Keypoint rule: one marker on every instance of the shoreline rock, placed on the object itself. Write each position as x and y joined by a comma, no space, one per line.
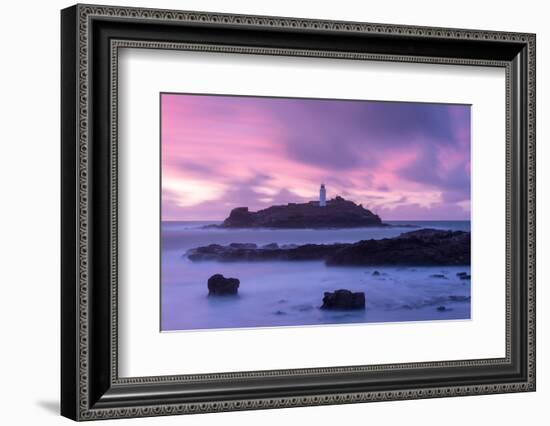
425,247
463,275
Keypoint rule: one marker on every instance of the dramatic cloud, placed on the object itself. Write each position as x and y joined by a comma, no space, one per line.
403,160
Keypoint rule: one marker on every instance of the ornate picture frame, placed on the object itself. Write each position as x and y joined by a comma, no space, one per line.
91,37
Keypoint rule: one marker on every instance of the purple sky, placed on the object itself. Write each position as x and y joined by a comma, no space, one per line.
401,160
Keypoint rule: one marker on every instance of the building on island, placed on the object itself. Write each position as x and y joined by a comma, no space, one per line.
322,196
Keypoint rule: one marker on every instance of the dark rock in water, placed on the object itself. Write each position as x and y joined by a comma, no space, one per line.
376,274
209,252
218,285
425,247
237,252
343,299
303,308
441,308
459,298
338,213
211,226
438,276
280,313
463,275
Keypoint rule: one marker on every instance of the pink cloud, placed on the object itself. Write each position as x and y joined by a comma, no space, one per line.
221,152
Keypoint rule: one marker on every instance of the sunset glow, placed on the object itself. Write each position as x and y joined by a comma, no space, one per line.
408,161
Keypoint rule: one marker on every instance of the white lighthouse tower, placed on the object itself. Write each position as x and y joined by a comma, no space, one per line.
322,196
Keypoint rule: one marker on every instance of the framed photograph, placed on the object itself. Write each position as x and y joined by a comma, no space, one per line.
263,212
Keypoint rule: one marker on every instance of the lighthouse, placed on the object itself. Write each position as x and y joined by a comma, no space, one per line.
322,196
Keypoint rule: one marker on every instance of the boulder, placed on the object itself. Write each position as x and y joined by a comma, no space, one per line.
218,285
343,300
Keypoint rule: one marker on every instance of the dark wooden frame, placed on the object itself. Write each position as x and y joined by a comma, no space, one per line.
91,37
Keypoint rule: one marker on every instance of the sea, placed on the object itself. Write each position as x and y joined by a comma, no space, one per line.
283,293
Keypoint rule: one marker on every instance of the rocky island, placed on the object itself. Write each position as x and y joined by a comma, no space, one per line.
334,213
424,247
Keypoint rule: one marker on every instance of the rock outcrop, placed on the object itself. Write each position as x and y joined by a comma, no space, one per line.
338,213
425,247
231,253
218,285
343,300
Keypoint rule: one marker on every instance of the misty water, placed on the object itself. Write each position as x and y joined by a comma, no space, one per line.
282,293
